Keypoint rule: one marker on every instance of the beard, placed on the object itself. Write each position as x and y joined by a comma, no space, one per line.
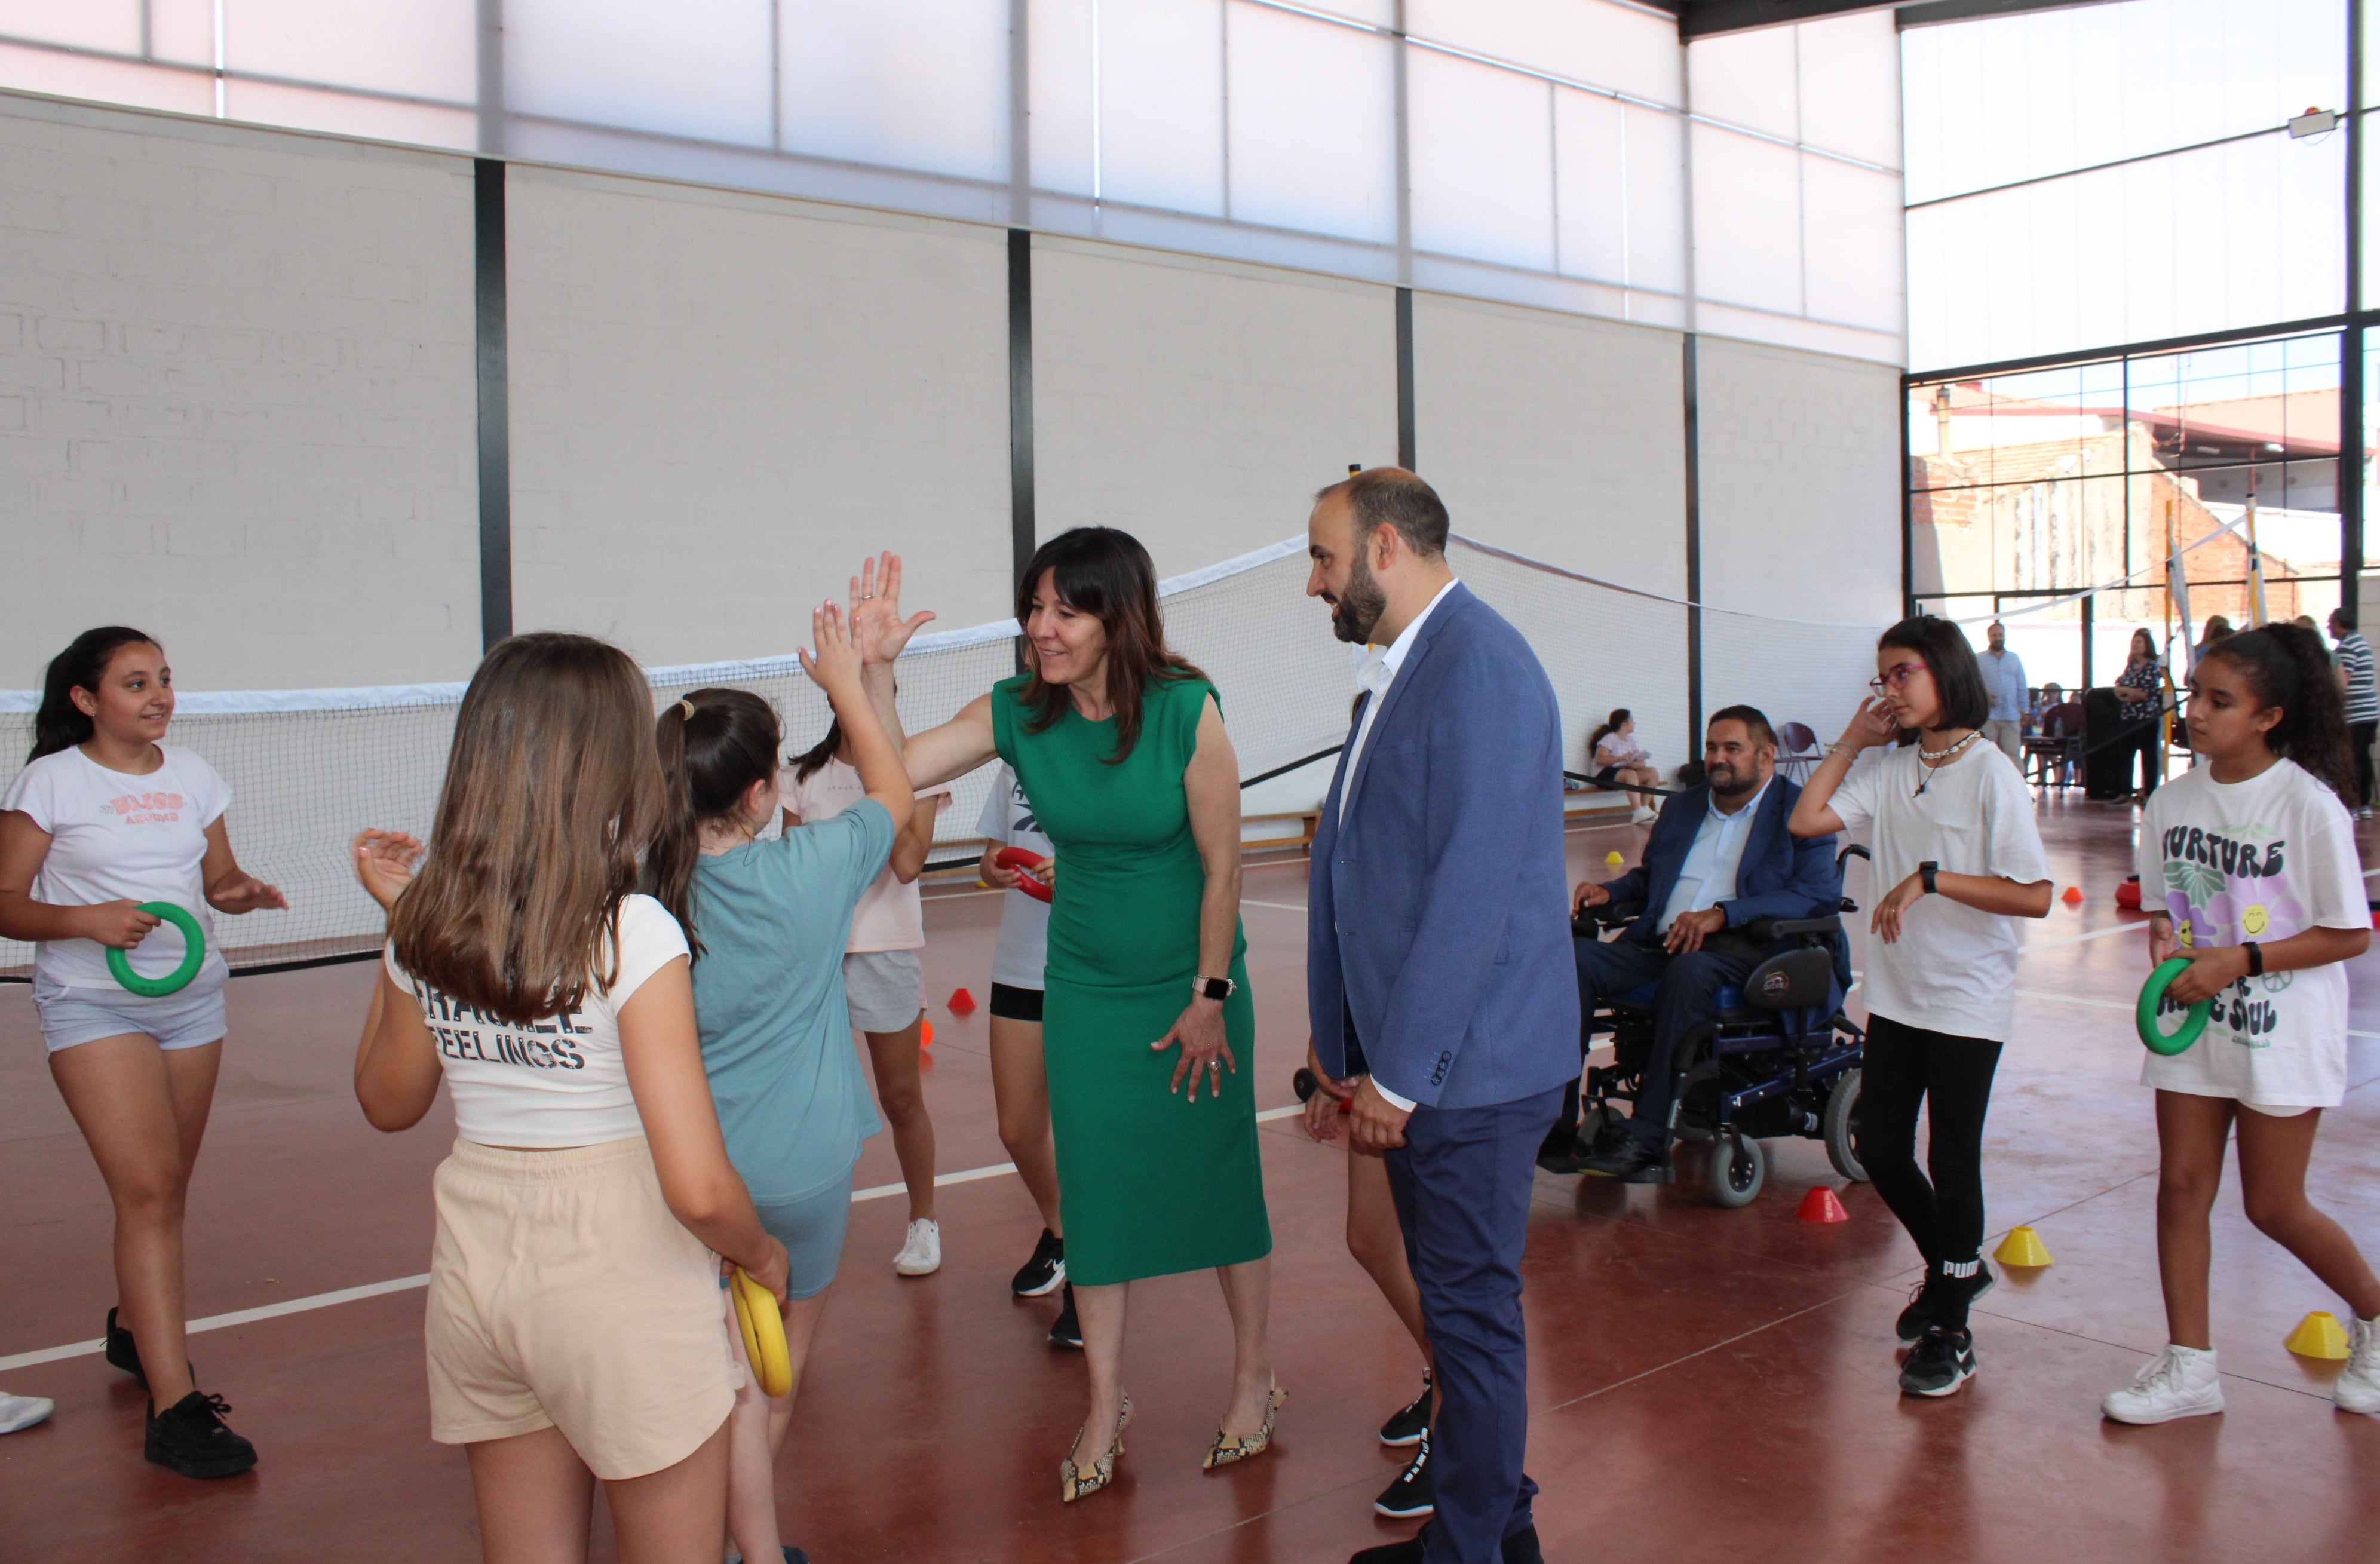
1355,612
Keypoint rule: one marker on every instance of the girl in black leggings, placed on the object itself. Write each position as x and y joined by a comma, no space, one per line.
1953,831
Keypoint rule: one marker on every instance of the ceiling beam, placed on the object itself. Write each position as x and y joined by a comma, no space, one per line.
1709,19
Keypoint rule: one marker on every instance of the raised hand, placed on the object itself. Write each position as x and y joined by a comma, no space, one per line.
1869,725
877,628
835,664
385,861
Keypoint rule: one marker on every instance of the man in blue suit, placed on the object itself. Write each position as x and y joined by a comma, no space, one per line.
1439,969
1719,857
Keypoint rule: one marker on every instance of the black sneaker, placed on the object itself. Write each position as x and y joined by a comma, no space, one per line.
1067,1331
1632,1161
1943,1361
1041,1274
1412,1493
1409,1426
123,1351
1923,1297
190,1438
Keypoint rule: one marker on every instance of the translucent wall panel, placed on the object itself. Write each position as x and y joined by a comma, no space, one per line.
1747,222
2239,235
348,113
1846,67
700,70
1749,79
1586,41
1160,104
1313,125
107,82
920,84
420,48
1063,124
1851,245
2070,89
1482,160
1620,192
112,25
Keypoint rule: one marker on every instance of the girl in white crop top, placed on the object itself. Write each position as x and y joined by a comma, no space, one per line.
575,1313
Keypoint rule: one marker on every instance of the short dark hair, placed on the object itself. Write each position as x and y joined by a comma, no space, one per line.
2343,616
1399,498
1958,681
1755,720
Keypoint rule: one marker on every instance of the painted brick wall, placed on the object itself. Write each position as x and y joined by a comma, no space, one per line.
721,402
235,399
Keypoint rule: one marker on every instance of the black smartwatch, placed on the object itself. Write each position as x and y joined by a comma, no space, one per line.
1215,988
2255,958
1925,873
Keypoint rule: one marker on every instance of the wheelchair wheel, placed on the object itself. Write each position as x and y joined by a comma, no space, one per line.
1738,1169
1843,1124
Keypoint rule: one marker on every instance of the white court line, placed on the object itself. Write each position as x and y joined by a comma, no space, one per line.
1276,906
406,1283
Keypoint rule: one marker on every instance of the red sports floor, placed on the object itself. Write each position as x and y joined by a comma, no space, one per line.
1704,1383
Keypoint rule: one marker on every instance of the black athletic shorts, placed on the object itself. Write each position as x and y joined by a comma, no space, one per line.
1015,1004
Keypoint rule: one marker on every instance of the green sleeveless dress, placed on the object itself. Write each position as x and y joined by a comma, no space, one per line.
1150,1182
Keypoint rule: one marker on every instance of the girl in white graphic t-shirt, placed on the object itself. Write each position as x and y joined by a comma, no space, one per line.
574,1328
104,818
2249,868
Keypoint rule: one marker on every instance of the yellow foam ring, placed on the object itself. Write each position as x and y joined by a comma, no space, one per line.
2023,1248
2254,919
2319,1335
764,1329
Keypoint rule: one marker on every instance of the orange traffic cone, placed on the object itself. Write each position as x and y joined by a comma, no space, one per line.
962,1003
2074,897
1822,1204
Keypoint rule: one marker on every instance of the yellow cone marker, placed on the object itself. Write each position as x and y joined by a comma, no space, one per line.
2023,1248
2319,1335
1612,858
764,1334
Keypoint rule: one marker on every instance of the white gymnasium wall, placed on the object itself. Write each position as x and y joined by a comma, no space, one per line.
1563,438
1199,404
719,402
236,399
1800,517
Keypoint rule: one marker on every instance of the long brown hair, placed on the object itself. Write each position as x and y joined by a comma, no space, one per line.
714,744
2287,666
1106,574
551,794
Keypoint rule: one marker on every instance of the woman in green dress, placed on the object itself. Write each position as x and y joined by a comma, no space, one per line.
1120,747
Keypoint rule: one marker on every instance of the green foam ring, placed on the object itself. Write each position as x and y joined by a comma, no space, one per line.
2145,1017
194,955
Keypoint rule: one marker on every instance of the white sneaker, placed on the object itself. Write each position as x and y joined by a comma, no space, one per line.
1641,816
2182,1382
2358,1387
921,1252
23,1412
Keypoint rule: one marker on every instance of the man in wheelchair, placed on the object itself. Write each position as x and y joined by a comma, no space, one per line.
1718,858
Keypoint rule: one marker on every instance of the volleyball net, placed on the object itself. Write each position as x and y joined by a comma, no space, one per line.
308,769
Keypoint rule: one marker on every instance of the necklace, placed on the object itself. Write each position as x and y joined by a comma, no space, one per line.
1931,760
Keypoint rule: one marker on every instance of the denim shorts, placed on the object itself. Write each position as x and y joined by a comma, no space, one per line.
885,989
188,1020
812,1228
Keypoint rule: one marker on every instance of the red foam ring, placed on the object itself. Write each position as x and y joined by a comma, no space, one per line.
962,1003
1028,864
1822,1204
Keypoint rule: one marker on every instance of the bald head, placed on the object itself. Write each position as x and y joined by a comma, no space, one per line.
1397,498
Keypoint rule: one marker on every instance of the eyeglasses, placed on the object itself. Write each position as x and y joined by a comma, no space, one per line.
1895,676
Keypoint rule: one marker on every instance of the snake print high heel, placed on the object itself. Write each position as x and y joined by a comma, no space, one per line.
1074,1482
1229,1448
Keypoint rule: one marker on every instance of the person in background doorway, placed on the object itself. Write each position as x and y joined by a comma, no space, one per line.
2141,687
1020,1080
2004,686
2362,702
882,972
1617,757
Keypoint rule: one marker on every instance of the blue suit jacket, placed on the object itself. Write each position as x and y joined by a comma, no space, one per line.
1438,915
1780,876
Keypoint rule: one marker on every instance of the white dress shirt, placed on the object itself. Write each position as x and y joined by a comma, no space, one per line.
2004,682
1708,877
1378,671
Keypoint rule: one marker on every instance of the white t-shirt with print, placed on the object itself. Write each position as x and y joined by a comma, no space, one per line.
1953,969
556,1082
1024,949
2261,859
892,917
115,837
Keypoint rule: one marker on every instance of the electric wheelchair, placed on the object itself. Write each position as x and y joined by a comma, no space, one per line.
1782,1059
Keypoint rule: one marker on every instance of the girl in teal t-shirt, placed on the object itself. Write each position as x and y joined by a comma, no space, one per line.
768,922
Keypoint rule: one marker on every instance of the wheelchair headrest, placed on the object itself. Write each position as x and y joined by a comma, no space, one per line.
1798,979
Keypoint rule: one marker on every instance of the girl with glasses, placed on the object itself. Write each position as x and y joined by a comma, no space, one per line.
1950,823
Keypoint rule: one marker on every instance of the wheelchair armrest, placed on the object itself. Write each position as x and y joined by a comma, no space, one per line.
1591,922
1770,930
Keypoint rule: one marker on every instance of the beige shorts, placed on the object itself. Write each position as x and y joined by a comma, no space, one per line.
564,1294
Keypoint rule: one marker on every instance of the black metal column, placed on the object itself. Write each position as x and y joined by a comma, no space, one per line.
1404,380
1021,538
495,421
